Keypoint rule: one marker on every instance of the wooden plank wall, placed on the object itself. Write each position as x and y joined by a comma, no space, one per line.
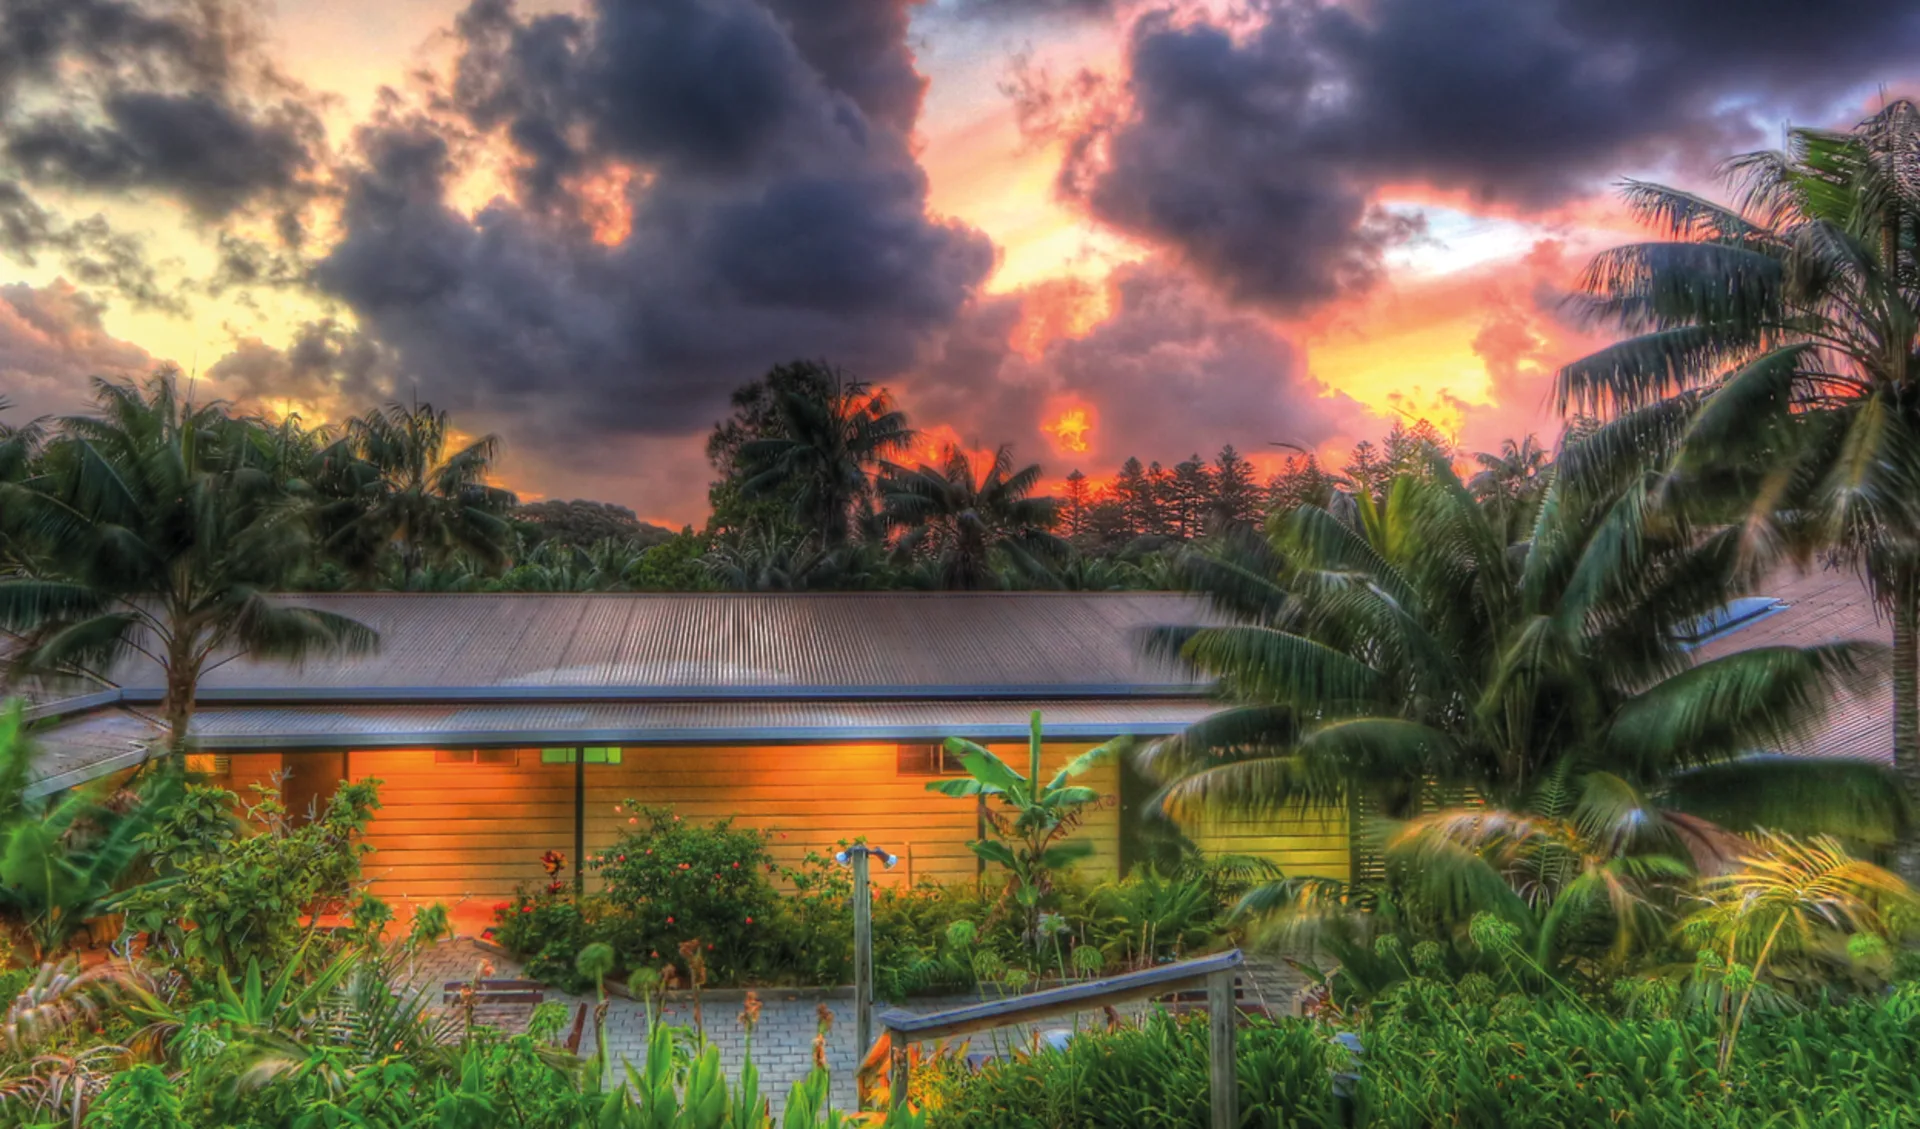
1315,842
453,832
462,832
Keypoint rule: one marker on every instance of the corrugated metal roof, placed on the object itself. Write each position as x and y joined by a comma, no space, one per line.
107,739
1826,606
527,646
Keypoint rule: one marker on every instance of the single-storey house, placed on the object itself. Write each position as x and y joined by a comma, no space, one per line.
502,726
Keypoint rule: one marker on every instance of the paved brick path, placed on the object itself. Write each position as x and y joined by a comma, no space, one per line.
789,1019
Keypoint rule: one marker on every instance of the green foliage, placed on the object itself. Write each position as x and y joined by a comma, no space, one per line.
1449,1054
62,857
1154,1075
162,528
230,890
140,1098
673,881
671,566
1029,818
548,929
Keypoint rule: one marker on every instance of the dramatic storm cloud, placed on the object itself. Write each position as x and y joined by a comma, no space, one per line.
767,205
1258,151
582,224
161,95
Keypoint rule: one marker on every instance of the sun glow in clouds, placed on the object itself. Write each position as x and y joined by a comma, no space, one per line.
1070,427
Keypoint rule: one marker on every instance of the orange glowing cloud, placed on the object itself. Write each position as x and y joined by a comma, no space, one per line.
606,203
1057,308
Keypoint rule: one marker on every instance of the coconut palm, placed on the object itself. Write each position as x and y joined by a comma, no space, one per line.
1417,648
965,520
1511,480
406,490
163,539
1778,339
831,433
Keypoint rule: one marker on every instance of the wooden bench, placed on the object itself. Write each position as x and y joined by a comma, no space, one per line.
495,992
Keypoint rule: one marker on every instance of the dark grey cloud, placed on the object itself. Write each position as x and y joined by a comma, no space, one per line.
325,362
1172,370
780,212
1256,151
162,95
859,48
209,152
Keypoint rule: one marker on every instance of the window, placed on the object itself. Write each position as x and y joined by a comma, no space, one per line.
1729,618
208,764
493,758
927,760
596,754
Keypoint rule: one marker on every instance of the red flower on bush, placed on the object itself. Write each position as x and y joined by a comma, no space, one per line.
553,862
669,921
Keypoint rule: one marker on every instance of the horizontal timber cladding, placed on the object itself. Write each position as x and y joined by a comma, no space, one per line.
462,831
454,831
1316,842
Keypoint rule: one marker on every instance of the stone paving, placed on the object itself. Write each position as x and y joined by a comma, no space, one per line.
783,1041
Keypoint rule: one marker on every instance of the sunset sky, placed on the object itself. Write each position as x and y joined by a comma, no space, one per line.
1092,228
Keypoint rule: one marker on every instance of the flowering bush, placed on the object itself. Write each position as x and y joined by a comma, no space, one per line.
548,927
672,881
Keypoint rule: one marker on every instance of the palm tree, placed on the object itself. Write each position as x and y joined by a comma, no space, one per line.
1778,339
407,491
20,446
164,539
1511,481
964,520
832,432
1417,647
772,559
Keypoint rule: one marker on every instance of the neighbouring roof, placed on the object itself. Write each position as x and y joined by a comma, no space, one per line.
1824,605
663,668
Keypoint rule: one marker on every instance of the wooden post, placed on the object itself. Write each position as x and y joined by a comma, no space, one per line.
902,1070
862,955
580,821
1222,1016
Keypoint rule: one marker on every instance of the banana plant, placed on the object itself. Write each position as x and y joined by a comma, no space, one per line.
1030,819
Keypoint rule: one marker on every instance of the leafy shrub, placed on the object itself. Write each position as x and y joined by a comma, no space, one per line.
813,941
232,889
547,930
672,881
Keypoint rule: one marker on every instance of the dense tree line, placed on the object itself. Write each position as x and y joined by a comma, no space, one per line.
818,485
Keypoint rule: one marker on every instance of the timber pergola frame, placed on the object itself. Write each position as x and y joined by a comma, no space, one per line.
1215,973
